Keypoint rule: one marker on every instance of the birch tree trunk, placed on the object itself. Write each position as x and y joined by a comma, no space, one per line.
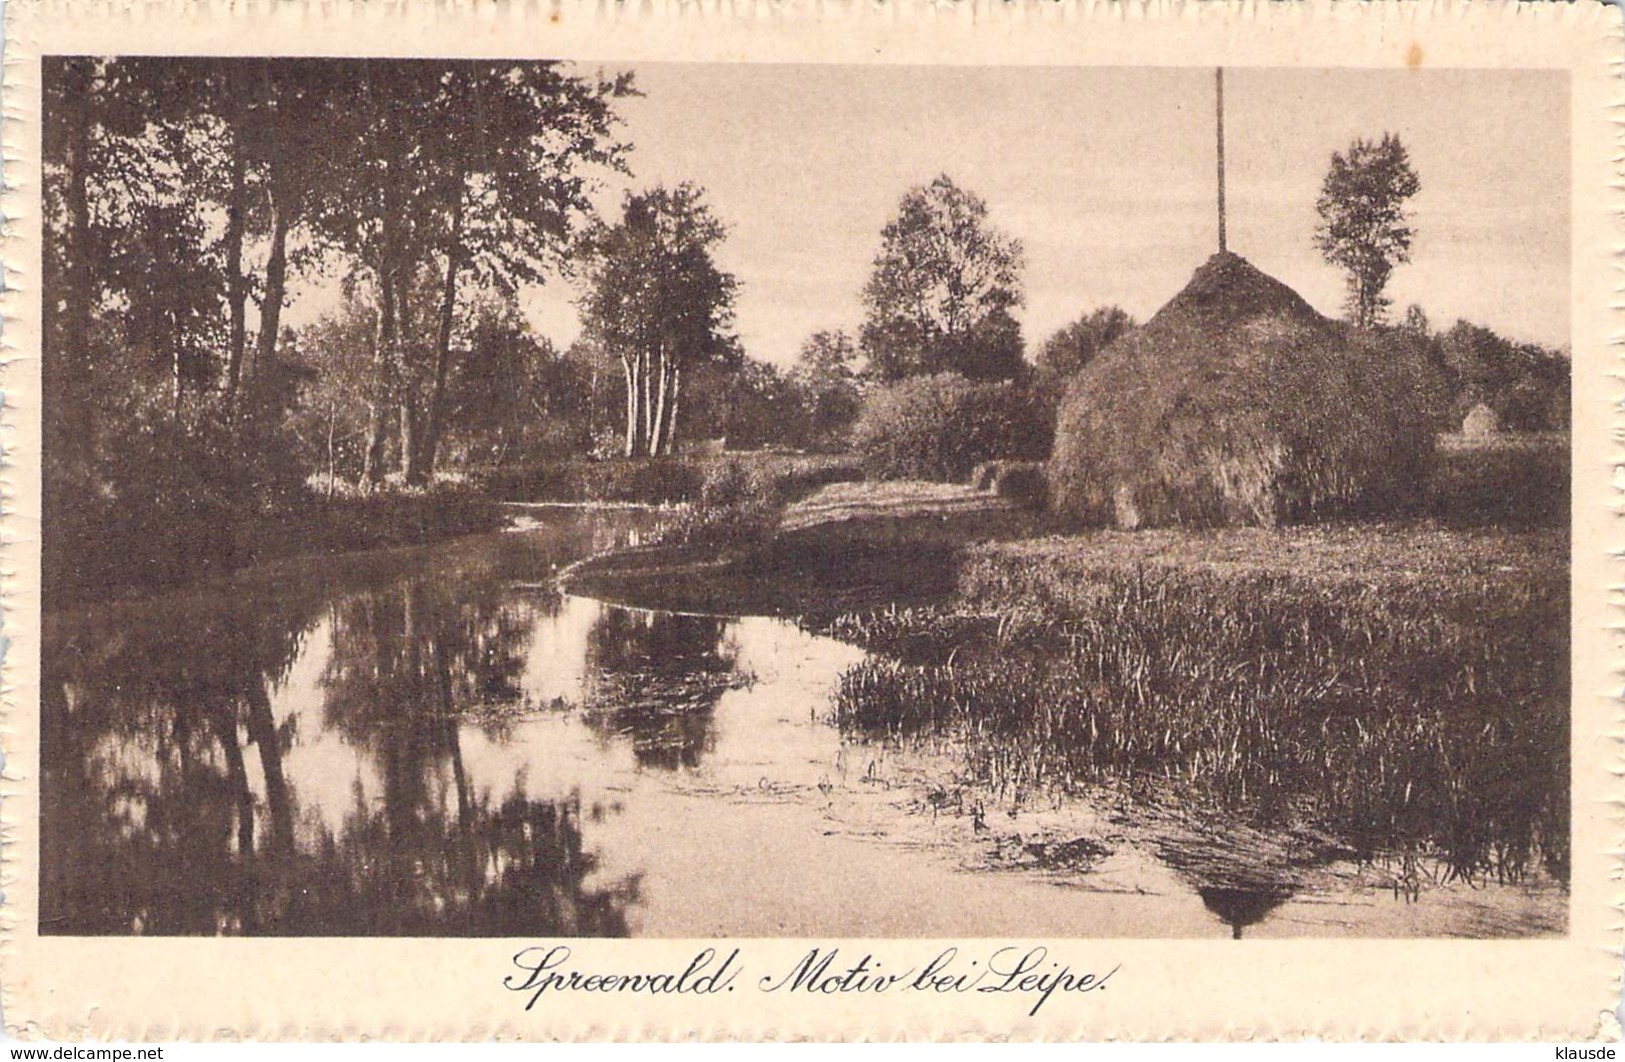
631,405
410,437
386,361
644,368
373,466
411,450
671,422
657,437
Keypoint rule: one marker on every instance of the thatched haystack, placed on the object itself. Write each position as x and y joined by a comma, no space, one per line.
1238,404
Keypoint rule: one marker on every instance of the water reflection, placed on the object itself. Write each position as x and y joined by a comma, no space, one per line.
296,758
655,679
438,743
1240,908
1239,880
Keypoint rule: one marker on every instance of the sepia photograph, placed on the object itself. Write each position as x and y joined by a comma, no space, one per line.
522,498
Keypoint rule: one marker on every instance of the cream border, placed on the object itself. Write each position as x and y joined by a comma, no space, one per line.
157,989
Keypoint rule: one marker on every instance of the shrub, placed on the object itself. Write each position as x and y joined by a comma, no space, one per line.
804,474
1022,482
940,427
657,481
173,497
652,481
738,507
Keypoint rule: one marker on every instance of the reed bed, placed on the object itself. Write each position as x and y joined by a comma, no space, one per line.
1411,711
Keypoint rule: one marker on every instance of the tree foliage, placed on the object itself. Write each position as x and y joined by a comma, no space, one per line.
1527,385
479,168
184,196
825,374
760,406
1071,347
1364,229
657,301
940,295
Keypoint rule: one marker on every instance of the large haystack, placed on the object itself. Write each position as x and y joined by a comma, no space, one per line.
1238,404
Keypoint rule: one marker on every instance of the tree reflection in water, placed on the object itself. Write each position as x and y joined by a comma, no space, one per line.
156,819
654,678
144,725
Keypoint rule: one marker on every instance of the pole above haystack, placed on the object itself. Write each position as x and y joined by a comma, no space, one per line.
1218,107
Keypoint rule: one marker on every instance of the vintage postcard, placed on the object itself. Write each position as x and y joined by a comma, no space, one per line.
1039,520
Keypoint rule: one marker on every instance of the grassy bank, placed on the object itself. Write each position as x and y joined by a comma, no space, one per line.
1404,689
844,547
98,549
96,553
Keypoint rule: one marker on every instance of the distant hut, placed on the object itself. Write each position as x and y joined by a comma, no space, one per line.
1238,404
1480,422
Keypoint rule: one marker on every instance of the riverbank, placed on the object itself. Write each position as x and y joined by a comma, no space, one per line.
1399,690
860,546
659,480
95,554
103,549
843,547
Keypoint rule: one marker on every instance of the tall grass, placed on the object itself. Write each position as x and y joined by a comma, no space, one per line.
1417,715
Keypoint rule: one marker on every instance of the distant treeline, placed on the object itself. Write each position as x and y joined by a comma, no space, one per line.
1526,385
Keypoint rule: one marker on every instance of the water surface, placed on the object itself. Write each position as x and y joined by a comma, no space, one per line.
438,742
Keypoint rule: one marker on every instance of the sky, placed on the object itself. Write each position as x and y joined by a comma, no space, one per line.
1107,177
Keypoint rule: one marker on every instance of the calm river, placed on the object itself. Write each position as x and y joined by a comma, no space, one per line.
437,742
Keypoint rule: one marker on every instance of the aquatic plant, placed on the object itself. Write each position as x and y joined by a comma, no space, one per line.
1425,712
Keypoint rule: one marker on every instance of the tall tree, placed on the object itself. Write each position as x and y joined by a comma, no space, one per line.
657,300
514,193
115,169
478,171
298,134
940,295
1364,229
